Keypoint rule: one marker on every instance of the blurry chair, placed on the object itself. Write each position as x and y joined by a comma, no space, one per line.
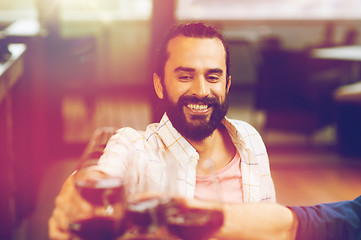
348,119
244,60
350,37
288,97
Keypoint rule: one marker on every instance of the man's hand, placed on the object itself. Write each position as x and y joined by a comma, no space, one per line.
68,204
252,221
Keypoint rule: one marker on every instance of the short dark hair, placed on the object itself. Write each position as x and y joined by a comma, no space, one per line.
192,30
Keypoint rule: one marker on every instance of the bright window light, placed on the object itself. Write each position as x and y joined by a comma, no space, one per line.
106,10
268,9
11,10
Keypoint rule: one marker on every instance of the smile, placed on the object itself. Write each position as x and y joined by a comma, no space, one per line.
197,107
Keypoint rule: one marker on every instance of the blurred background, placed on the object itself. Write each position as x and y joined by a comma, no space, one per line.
68,67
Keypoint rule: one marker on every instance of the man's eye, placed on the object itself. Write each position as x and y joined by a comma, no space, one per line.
213,78
185,77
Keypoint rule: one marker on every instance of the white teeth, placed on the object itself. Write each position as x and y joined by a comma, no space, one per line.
197,107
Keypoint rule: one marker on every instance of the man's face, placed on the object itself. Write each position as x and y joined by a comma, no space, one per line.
195,85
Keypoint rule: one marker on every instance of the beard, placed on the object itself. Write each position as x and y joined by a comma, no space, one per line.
199,127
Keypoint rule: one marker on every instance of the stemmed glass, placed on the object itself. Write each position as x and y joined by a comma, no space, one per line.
97,143
105,195
160,212
145,198
196,221
102,196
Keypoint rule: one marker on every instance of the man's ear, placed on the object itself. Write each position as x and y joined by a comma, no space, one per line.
228,84
158,87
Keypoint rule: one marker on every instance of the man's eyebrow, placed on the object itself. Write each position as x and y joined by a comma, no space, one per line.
188,69
215,70
184,69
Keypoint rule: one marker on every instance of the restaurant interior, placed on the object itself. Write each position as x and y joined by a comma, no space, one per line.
69,67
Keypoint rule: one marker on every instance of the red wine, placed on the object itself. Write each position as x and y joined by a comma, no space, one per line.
193,223
143,211
98,228
101,191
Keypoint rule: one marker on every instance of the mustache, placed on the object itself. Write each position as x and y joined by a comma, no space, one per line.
208,100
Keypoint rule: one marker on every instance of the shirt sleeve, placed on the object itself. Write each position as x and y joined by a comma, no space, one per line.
267,188
253,142
331,221
256,144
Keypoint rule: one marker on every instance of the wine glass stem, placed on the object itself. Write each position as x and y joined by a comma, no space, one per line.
109,210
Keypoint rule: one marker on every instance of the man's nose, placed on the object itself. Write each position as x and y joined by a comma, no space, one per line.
200,87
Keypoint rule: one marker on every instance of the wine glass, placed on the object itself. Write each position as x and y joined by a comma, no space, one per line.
145,198
105,195
196,221
97,143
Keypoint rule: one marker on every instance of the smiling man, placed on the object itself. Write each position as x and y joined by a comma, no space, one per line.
195,85
192,80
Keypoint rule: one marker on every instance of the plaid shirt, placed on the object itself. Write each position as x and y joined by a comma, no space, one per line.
162,138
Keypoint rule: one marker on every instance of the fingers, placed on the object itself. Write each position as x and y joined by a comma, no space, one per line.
68,204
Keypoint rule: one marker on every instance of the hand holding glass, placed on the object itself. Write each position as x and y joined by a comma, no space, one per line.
196,222
106,196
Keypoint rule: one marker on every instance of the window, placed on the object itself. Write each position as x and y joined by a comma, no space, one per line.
11,10
106,10
268,9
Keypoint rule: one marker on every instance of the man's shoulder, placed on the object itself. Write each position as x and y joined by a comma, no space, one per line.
242,125
132,133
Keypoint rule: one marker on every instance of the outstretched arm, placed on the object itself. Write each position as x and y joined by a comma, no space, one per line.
338,220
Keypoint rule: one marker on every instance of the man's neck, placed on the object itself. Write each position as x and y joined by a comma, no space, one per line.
206,145
218,147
